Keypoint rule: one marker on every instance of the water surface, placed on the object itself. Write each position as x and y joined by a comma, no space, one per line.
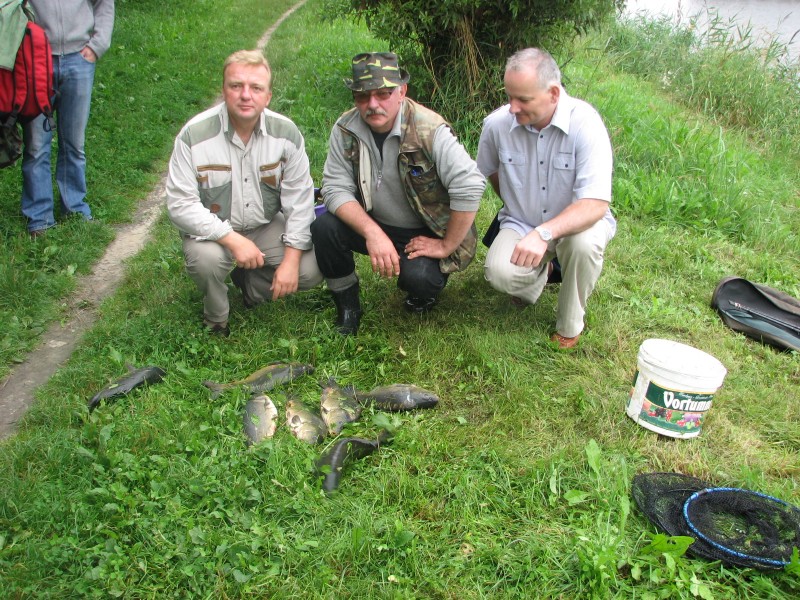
779,19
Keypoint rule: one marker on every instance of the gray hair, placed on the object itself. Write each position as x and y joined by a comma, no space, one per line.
540,61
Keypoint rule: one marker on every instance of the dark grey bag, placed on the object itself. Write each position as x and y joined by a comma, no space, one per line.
760,312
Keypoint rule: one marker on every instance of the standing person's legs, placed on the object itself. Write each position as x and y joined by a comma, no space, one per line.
37,181
208,264
581,259
256,283
74,79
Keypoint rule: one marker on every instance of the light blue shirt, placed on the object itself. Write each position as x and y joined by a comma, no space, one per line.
542,172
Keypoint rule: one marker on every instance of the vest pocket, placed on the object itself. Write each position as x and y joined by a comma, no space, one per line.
214,183
270,177
426,184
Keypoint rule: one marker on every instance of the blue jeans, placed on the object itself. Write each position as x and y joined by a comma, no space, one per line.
73,79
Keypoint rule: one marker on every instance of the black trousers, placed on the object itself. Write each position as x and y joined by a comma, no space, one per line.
335,242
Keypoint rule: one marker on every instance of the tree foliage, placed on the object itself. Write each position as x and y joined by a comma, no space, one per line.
460,46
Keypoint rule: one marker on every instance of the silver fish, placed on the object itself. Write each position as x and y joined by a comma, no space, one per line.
338,406
260,418
398,397
264,379
122,386
303,423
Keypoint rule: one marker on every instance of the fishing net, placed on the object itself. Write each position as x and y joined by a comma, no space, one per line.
747,525
738,527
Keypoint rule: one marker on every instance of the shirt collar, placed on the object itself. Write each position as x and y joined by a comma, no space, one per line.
229,131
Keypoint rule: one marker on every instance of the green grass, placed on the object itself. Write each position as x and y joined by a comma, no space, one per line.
516,486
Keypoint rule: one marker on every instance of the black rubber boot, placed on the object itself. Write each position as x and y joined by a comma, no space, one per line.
348,307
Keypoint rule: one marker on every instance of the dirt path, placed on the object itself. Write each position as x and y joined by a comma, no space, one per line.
58,342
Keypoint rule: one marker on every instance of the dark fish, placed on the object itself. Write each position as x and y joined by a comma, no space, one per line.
122,386
304,424
264,379
399,396
338,406
260,418
343,451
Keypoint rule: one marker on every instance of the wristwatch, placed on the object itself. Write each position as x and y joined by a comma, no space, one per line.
544,233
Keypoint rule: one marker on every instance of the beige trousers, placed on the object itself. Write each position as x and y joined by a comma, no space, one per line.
581,259
208,264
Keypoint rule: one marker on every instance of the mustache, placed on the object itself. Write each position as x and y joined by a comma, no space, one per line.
375,111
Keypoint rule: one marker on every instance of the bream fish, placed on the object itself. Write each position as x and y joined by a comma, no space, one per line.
338,406
398,397
260,418
303,423
343,452
122,386
264,379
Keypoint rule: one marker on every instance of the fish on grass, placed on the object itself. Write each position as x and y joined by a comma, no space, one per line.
121,387
398,397
260,418
338,406
264,379
303,423
344,451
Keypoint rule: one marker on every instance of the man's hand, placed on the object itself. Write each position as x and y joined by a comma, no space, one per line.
426,246
457,228
287,275
529,251
382,254
88,54
246,254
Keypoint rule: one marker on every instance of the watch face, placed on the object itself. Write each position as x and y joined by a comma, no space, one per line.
544,234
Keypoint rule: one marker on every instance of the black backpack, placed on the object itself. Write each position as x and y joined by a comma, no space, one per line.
760,312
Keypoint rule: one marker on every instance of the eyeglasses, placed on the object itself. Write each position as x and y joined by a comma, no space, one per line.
381,94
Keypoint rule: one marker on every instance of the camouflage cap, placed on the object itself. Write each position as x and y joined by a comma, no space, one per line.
375,70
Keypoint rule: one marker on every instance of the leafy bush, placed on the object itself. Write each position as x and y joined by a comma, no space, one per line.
457,48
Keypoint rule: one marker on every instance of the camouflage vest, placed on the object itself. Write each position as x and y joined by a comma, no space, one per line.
424,190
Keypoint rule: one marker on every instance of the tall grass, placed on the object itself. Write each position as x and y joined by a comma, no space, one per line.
516,486
717,67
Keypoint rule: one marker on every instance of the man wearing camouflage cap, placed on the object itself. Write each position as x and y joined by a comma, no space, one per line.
399,187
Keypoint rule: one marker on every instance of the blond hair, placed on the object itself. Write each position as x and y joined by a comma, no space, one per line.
253,58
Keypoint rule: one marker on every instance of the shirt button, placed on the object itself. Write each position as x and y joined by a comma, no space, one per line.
541,162
542,188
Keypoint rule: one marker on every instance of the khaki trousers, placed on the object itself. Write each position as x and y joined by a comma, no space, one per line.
208,264
581,259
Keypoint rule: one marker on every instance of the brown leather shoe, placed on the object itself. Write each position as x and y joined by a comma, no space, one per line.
565,343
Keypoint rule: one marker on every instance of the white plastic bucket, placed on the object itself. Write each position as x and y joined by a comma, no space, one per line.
673,388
